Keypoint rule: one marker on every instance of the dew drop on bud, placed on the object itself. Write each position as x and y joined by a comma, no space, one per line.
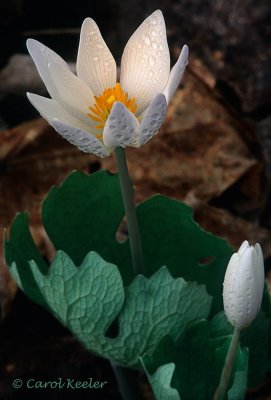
147,40
152,61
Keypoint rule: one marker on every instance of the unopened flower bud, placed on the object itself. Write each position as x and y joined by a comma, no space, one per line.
243,285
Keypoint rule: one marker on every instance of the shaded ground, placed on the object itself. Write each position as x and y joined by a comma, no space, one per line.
40,349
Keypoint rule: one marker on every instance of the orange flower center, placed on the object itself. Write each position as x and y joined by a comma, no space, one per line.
104,103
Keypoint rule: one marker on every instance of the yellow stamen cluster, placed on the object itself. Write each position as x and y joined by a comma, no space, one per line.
104,103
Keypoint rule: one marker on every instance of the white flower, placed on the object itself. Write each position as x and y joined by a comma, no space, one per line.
243,285
92,110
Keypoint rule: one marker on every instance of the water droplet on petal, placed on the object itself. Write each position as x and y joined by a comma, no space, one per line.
85,140
151,61
93,36
95,59
147,40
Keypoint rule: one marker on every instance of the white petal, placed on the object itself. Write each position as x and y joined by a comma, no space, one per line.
74,94
50,109
231,271
243,247
80,138
145,62
95,63
246,259
153,118
121,128
176,74
42,56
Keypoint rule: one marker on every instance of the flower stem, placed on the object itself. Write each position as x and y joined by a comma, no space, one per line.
126,382
228,365
129,205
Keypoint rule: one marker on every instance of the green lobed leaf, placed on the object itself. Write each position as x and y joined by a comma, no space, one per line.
195,362
193,357
157,306
84,213
161,383
87,299
173,238
19,249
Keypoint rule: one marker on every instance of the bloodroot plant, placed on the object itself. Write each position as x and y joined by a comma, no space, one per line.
167,305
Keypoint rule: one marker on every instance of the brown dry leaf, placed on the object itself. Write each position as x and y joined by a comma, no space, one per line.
198,154
7,287
34,159
231,227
